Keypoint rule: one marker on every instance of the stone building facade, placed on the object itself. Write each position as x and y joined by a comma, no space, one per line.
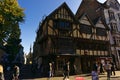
112,16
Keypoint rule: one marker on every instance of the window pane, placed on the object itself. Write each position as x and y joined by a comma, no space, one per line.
85,29
101,32
62,25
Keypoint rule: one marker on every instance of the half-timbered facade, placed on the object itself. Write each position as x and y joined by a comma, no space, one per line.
63,36
112,16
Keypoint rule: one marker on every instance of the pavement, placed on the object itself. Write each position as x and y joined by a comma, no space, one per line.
85,76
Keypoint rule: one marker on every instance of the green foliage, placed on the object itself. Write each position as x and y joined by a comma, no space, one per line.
10,11
10,16
13,46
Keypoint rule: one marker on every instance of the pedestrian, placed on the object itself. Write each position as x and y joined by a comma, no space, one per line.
75,69
112,68
94,74
1,72
50,70
66,69
16,72
98,67
108,69
101,68
95,65
53,68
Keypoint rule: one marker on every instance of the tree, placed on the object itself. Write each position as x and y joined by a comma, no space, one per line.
10,16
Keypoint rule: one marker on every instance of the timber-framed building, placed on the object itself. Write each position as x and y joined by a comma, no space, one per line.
79,39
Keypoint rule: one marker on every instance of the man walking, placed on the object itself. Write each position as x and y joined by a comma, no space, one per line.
66,69
112,68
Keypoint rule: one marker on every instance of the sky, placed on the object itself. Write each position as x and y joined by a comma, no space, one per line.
34,11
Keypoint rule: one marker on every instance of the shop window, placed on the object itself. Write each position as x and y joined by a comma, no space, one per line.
60,65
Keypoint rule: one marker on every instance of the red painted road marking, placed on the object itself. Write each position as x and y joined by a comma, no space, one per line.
79,78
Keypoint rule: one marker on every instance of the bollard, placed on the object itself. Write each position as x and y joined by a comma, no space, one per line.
79,78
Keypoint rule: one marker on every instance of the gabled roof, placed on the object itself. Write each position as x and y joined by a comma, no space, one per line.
97,20
64,5
100,19
85,14
105,5
92,8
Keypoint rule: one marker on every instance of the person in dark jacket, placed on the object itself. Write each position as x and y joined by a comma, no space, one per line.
112,68
66,70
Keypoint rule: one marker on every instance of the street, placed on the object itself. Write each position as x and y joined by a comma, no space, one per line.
86,77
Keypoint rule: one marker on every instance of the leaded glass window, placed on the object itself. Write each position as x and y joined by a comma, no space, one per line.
62,24
101,32
85,29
